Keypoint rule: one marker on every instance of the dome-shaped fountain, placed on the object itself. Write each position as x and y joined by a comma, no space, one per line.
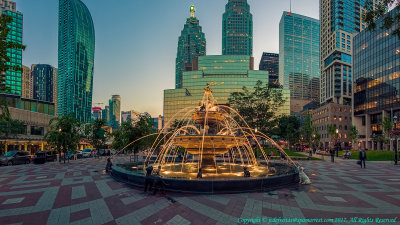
210,140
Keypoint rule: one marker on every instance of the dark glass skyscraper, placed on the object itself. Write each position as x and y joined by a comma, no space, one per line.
43,83
76,39
270,62
237,29
192,43
377,75
13,78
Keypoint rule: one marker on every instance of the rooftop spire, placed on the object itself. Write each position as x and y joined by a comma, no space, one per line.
192,10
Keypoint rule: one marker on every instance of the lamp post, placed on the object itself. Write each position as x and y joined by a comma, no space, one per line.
336,144
395,138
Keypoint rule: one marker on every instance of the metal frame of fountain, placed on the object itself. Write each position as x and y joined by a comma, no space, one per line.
210,140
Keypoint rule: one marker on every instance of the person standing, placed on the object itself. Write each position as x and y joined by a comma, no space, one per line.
149,179
362,157
332,151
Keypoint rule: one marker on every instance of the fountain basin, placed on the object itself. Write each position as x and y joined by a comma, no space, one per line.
290,177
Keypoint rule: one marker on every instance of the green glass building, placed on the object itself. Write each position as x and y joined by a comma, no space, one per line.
237,29
225,73
76,45
13,79
191,43
299,58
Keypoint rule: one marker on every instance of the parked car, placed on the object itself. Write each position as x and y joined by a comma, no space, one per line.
79,153
15,157
86,153
45,156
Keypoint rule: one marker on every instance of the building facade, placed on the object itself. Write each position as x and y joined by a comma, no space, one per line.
237,29
27,82
191,43
299,69
270,62
43,82
225,74
76,45
158,123
130,116
115,111
35,116
13,78
377,83
337,115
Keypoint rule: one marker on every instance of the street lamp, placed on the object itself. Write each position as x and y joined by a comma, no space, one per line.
395,138
336,144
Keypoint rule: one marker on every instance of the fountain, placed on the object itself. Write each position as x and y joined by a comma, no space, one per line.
211,140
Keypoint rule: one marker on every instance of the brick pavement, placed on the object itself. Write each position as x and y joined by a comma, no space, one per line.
79,193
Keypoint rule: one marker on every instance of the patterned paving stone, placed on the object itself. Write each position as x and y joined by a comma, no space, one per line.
79,193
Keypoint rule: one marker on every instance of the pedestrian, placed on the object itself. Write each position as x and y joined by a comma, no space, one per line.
362,157
108,165
332,151
148,182
246,173
159,184
200,174
75,155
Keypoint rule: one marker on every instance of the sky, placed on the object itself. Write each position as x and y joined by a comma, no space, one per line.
136,41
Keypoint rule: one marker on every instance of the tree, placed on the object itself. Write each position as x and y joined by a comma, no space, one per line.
375,11
308,130
128,133
96,134
288,129
353,136
387,125
258,106
331,129
64,133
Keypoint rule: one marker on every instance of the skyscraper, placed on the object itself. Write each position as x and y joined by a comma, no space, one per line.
299,68
76,45
115,111
26,82
191,43
43,82
13,78
340,21
270,62
237,29
105,114
376,73
96,113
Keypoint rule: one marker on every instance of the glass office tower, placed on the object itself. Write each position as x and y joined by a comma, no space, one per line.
43,83
270,62
377,78
13,78
76,45
225,74
299,68
115,111
237,29
192,43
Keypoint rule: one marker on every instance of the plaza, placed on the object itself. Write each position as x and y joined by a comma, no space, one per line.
79,192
